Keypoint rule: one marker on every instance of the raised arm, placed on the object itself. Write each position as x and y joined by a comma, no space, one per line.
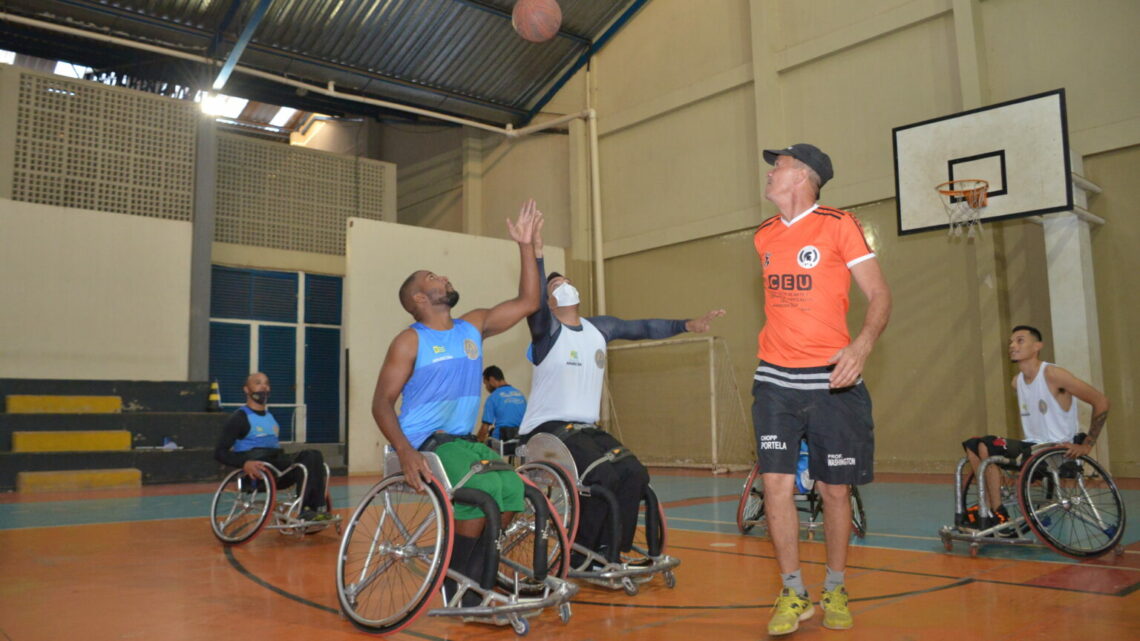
394,374
849,361
1064,380
503,316
614,328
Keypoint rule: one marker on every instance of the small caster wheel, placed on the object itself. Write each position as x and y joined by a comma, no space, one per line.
973,549
947,545
564,612
1118,550
521,626
629,586
670,579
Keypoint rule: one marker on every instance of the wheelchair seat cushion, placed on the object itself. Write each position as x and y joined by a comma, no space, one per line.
505,486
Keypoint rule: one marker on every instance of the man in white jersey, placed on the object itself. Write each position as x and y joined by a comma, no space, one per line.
569,355
1045,395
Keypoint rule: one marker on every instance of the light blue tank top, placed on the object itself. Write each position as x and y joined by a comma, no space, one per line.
262,431
443,391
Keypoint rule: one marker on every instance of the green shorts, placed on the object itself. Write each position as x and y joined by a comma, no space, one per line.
506,487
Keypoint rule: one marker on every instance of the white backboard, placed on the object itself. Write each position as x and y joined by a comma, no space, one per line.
1020,147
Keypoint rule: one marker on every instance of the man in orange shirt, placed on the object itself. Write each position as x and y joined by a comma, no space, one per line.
808,383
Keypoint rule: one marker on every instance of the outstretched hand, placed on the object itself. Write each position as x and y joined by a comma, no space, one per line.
701,325
522,231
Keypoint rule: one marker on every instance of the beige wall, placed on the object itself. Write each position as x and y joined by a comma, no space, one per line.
1117,265
682,128
687,95
92,295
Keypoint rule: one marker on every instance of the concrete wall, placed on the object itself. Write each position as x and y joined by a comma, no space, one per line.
92,295
683,125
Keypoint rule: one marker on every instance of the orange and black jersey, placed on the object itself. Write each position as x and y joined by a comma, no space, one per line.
807,273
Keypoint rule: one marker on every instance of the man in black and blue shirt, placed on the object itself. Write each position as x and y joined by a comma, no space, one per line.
249,440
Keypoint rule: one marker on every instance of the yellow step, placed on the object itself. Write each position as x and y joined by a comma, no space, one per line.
63,404
71,441
63,480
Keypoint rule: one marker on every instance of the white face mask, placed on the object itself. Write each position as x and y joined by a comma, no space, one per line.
565,295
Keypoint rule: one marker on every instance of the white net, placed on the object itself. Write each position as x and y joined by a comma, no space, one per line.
963,201
676,403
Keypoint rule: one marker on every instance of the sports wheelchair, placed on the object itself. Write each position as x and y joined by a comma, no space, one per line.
243,506
397,546
750,511
1072,505
548,464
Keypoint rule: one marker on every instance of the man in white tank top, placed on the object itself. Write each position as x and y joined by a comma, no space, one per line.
1045,400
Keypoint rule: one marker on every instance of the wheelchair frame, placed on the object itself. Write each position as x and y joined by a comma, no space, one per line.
1048,495
252,502
750,510
413,534
547,462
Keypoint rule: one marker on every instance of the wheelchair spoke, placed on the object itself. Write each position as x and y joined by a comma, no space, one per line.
394,549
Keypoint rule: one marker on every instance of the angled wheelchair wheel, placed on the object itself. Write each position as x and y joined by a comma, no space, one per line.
555,483
394,554
242,505
533,545
858,516
1072,505
751,508
655,527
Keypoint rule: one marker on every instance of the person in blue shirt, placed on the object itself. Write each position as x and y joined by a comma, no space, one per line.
435,365
503,409
249,441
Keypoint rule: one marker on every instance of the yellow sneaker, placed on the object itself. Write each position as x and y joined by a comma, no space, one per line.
789,610
836,616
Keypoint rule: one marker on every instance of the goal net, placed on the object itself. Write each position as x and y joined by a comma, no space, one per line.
676,403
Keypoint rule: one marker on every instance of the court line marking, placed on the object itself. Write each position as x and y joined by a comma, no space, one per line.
1120,593
237,565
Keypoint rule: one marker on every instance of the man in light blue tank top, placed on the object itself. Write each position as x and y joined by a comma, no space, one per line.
436,365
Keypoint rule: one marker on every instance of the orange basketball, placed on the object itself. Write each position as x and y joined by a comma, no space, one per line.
536,20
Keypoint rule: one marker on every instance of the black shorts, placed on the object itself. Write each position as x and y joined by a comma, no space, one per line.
1010,448
790,404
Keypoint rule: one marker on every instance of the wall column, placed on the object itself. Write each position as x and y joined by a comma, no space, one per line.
202,241
1072,296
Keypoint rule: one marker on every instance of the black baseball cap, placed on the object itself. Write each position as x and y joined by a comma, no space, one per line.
809,155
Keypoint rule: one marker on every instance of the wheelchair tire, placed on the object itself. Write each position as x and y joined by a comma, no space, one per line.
858,516
751,508
641,548
1072,505
517,561
556,484
241,506
394,554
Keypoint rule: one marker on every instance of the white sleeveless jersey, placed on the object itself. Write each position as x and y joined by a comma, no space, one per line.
1042,418
567,384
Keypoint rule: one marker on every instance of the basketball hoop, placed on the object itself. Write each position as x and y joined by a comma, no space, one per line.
963,200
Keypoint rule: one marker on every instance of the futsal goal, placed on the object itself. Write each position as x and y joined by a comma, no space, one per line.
676,403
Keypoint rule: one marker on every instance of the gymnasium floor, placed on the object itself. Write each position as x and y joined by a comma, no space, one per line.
142,564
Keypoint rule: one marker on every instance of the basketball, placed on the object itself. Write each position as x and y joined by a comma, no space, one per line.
536,20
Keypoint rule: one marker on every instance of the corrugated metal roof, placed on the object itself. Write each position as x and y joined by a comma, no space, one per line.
457,56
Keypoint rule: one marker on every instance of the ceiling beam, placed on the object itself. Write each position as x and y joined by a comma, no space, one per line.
243,40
